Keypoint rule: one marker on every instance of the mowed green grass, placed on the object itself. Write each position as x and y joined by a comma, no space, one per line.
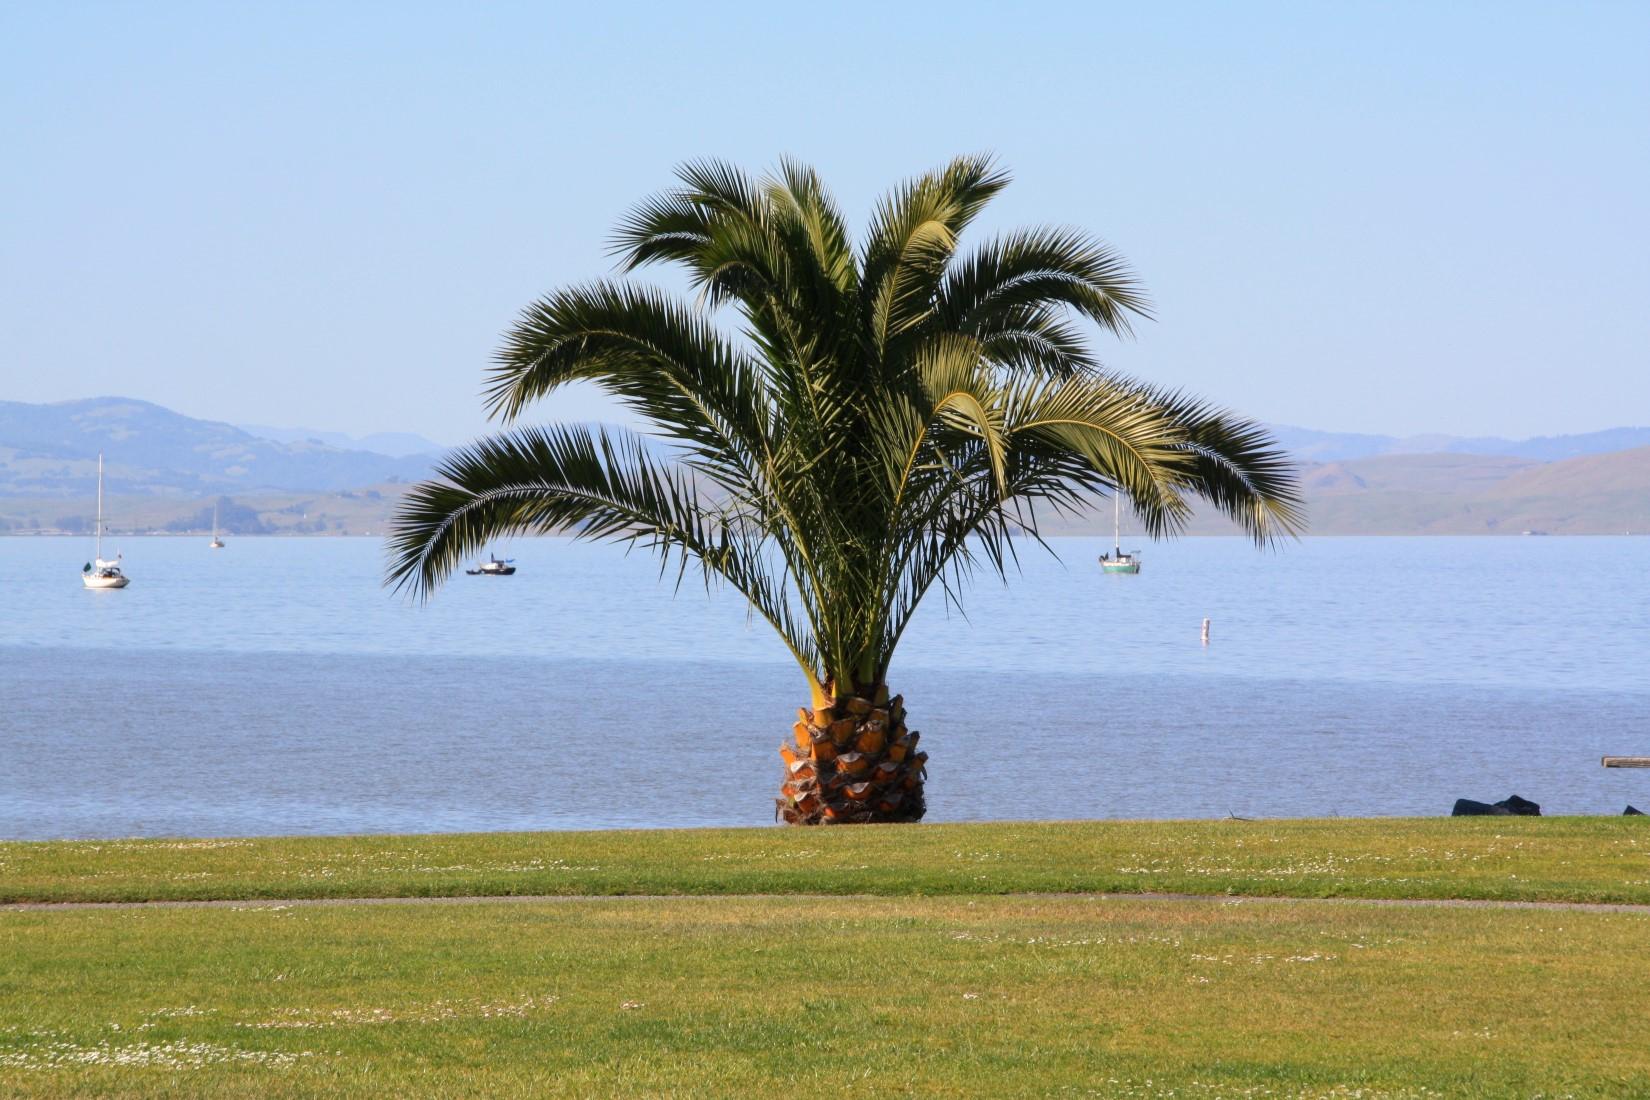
862,997
1569,859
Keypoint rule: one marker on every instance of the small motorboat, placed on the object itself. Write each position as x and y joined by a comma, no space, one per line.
493,567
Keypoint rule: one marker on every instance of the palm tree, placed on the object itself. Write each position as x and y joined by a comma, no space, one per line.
886,419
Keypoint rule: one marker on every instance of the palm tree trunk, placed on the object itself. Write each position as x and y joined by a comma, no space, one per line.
853,762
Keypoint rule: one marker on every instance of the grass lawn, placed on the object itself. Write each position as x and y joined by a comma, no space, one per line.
937,996
1572,859
938,984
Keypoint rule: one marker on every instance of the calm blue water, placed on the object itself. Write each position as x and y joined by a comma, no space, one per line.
274,687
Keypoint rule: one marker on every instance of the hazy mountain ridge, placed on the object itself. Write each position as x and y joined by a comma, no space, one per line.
343,512
165,469
1387,495
51,451
1445,494
394,444
1450,494
1311,445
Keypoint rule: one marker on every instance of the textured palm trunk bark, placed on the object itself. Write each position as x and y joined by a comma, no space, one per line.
853,762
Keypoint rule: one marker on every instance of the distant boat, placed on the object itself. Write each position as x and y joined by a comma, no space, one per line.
1117,561
97,572
493,567
216,543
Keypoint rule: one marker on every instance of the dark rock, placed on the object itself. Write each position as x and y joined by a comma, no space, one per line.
1632,812
1466,807
1523,807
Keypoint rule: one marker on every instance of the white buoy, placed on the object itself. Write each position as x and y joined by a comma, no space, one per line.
1205,631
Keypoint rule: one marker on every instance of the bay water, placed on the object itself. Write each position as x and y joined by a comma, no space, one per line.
275,687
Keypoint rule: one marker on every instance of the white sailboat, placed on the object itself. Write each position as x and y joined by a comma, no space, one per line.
99,573
1117,561
216,543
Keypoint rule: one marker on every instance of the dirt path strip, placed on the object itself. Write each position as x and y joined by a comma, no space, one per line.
546,899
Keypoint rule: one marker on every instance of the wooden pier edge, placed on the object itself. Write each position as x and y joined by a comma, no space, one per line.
1627,761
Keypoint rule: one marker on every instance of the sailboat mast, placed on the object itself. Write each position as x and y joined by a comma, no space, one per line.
100,508
1117,523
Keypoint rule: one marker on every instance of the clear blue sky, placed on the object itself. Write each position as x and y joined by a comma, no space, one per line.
1368,217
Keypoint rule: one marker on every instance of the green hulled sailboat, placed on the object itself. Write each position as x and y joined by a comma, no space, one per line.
1117,561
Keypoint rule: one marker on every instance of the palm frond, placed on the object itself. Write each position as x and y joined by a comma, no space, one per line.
914,232
1125,439
1238,467
667,363
1032,340
821,231
593,485
1040,268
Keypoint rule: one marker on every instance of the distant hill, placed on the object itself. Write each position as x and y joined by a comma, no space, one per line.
165,470
1606,494
1316,446
394,444
1423,473
1458,494
51,451
1386,495
363,511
